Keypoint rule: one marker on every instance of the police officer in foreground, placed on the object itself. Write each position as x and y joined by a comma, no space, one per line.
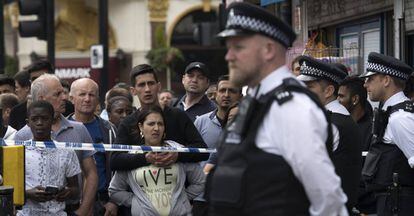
388,168
323,79
273,159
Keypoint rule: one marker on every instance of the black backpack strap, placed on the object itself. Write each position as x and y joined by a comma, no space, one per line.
381,118
407,106
283,94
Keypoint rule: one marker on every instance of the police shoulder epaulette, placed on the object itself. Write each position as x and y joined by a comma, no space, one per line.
282,96
407,106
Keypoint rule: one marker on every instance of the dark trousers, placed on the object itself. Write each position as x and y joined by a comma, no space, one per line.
200,208
385,204
102,198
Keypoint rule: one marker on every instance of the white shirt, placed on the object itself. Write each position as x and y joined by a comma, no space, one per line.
400,128
297,131
10,133
48,167
335,107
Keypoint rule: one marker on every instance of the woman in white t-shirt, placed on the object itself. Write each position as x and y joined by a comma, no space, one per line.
157,190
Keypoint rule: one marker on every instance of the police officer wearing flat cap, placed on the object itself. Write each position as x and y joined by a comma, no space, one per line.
273,158
323,79
388,168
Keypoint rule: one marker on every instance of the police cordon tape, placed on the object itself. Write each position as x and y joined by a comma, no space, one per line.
102,147
108,147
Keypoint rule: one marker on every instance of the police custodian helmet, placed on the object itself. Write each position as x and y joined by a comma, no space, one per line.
247,19
381,64
313,69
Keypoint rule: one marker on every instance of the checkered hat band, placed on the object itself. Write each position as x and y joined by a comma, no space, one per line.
256,25
379,68
311,71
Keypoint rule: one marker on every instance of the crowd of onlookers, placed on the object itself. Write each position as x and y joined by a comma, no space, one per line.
67,182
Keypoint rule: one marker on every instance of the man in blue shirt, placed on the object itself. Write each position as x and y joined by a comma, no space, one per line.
195,81
212,123
84,94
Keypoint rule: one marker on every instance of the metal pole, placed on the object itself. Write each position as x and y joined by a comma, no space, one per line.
50,4
2,50
103,40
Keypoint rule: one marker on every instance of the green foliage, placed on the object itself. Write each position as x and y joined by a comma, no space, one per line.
162,56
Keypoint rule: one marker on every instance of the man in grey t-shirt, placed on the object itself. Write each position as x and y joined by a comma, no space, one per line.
47,87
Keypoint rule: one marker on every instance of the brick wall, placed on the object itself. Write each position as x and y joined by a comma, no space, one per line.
323,13
409,15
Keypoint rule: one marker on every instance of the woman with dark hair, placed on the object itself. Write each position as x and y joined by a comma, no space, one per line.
153,190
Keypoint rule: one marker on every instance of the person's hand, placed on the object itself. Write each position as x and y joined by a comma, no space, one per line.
62,195
150,157
111,209
164,159
38,194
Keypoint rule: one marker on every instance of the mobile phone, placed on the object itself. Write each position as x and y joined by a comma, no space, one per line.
51,190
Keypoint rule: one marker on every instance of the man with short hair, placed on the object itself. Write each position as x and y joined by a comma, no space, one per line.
353,96
7,102
388,168
211,124
38,68
47,87
18,114
6,84
84,94
165,98
195,81
273,157
323,79
211,92
22,84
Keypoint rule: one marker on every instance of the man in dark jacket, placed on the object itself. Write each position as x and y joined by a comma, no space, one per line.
195,81
353,96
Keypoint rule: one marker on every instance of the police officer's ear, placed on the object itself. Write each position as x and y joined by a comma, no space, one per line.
386,80
329,91
271,49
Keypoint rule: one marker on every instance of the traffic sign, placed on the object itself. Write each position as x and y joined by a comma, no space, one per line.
97,57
